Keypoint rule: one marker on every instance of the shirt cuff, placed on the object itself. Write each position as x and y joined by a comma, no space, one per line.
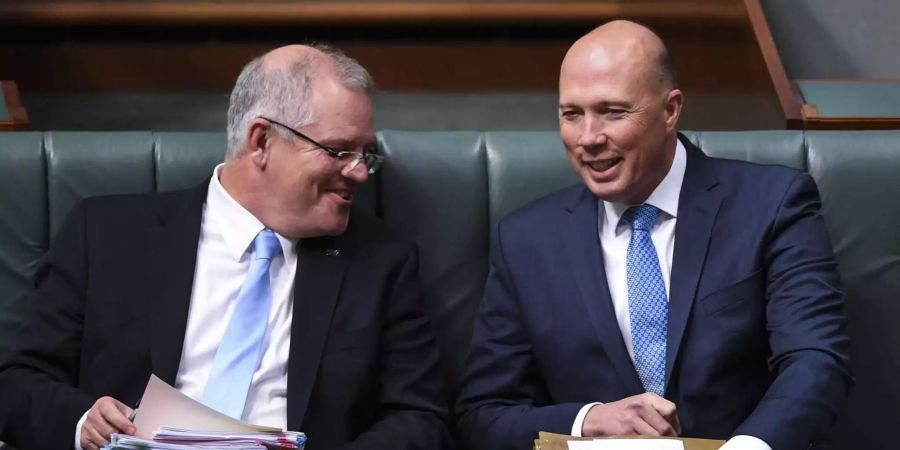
744,442
78,430
579,419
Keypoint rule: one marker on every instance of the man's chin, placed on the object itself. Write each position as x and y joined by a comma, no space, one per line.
336,227
608,192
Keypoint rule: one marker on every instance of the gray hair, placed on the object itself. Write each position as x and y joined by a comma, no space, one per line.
283,95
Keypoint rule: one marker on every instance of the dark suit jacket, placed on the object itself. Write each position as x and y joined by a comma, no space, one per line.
757,340
111,308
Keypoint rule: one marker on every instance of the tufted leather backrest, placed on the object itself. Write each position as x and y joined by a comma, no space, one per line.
447,191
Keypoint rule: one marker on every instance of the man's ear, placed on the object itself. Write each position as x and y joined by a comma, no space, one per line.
259,141
674,102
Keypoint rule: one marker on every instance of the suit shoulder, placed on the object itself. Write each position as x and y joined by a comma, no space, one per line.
130,207
758,187
745,171
543,209
366,228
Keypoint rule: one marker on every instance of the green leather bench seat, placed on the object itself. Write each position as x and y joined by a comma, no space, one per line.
447,190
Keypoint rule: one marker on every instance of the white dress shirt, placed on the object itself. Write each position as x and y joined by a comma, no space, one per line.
615,234
224,254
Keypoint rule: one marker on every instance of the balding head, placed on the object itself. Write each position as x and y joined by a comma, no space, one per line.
621,43
618,111
282,58
278,83
299,120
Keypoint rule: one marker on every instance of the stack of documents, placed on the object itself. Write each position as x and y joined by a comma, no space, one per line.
551,441
170,420
627,444
179,439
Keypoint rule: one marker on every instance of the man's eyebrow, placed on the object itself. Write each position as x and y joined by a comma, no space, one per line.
601,104
345,144
621,103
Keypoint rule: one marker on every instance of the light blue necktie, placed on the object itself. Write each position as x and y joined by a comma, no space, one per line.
647,301
241,348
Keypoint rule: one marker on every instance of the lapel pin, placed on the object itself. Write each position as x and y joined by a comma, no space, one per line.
332,252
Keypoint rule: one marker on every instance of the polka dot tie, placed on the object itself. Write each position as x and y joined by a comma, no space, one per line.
647,301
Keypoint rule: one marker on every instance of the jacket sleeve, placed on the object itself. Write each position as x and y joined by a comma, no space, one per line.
807,327
38,379
504,402
412,399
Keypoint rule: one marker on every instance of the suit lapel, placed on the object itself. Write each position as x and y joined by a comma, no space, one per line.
171,246
320,272
582,242
698,205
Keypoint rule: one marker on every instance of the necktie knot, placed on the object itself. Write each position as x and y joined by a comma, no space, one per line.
643,217
266,245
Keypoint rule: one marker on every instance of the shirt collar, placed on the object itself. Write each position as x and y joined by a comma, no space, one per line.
665,196
238,226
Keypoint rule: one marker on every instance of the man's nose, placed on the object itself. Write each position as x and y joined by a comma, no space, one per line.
359,173
592,133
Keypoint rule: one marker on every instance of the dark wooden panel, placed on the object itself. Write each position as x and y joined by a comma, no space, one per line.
787,94
18,117
716,55
302,12
705,57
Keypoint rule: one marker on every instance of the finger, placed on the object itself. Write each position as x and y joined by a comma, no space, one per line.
116,415
676,425
95,438
86,443
665,407
123,408
641,427
656,421
100,426
667,410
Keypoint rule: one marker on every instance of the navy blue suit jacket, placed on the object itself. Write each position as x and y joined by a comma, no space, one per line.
757,340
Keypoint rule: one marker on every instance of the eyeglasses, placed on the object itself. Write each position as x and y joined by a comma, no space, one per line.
348,160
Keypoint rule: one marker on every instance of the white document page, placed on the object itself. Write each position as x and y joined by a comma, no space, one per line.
165,406
627,444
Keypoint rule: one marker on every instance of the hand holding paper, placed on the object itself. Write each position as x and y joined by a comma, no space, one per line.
106,416
170,420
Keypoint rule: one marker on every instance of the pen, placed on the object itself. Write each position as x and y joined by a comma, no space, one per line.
134,411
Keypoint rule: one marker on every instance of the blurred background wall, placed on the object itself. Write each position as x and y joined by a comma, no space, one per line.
440,65
836,39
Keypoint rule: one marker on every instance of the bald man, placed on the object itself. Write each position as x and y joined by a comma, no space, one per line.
667,293
256,292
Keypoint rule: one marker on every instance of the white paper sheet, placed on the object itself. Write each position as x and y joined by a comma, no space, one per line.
627,444
165,406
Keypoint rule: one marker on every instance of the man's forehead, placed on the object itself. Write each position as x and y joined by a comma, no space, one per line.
616,71
606,55
283,58
342,113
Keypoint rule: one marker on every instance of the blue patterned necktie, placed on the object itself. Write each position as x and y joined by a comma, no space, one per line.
241,348
647,302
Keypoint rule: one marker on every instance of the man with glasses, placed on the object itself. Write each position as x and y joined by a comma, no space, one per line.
255,293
